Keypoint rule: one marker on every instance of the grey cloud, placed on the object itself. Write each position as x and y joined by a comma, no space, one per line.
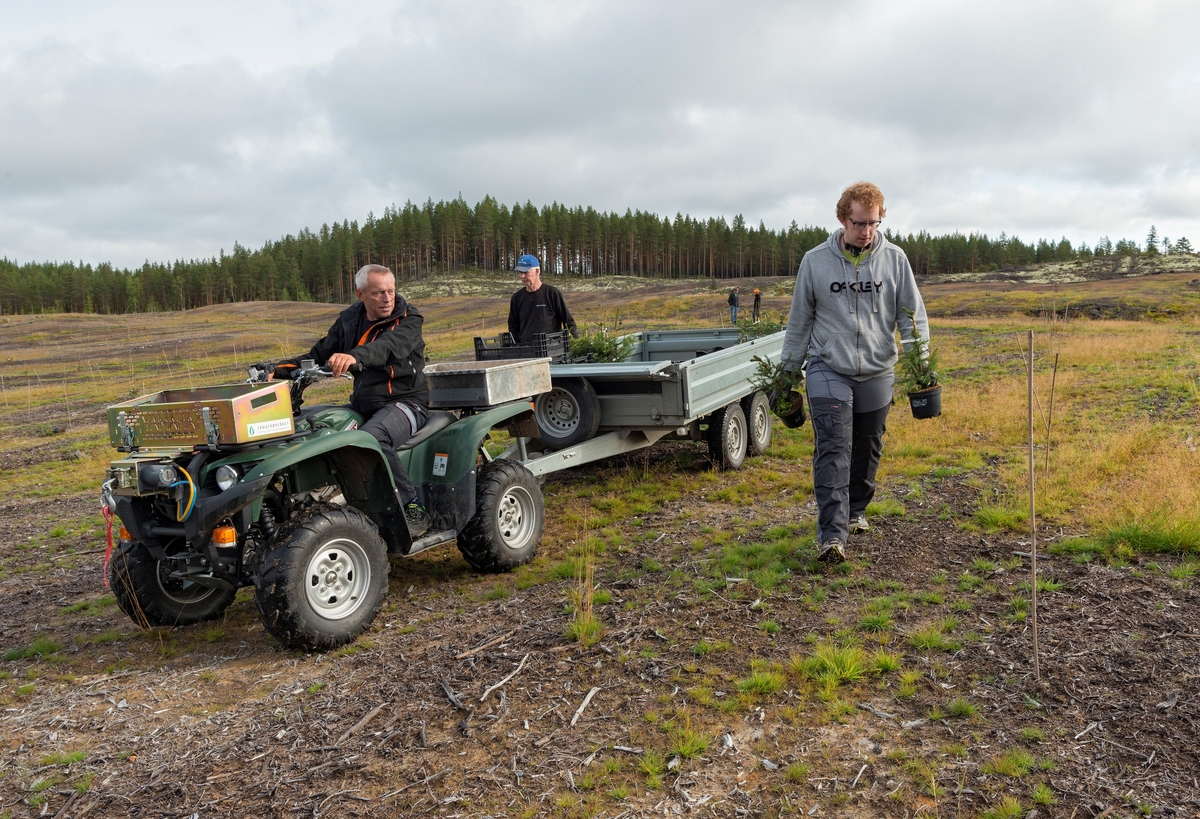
1041,119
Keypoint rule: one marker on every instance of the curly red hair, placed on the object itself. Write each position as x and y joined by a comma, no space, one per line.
864,193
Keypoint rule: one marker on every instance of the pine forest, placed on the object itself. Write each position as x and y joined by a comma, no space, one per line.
422,241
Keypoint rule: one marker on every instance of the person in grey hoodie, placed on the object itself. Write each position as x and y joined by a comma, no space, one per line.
850,297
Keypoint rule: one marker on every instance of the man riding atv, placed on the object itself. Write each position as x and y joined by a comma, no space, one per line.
379,341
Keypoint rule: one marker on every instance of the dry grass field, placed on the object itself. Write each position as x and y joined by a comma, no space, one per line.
732,675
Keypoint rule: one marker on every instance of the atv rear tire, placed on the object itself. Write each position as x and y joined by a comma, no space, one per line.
322,583
567,415
147,593
727,436
757,409
510,514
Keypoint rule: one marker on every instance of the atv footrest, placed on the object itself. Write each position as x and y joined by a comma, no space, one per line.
203,578
432,539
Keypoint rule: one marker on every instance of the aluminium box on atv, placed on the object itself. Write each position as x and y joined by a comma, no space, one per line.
237,485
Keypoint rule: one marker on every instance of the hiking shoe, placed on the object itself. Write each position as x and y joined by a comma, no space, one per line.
858,523
417,518
832,551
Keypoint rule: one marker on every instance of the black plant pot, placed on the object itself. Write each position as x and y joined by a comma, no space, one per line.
926,403
794,417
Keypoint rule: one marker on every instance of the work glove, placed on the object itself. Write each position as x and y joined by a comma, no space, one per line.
260,371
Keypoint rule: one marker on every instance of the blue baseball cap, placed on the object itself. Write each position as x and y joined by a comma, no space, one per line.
526,262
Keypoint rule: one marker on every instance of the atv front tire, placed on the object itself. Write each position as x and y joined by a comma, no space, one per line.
147,593
321,584
510,513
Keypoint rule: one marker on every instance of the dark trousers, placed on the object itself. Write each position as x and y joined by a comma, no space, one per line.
391,427
847,449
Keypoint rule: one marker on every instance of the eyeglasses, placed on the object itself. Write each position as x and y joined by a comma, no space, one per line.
861,225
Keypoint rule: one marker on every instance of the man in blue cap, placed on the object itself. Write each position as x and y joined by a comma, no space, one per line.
538,307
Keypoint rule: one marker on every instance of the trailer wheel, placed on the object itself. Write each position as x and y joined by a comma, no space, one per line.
148,594
567,415
510,513
727,436
322,584
758,418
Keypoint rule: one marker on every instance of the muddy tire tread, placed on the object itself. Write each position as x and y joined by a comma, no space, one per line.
280,614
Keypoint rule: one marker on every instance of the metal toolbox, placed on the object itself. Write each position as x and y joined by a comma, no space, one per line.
223,415
461,384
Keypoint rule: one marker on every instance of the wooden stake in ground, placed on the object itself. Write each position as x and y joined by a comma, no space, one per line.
1037,671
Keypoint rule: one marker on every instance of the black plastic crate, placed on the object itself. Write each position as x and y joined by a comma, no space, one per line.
555,346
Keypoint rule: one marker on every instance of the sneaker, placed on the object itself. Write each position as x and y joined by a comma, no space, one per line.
858,523
831,551
417,518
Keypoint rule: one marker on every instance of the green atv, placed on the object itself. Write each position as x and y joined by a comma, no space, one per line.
239,485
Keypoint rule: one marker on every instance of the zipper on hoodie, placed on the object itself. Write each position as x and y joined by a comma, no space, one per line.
857,324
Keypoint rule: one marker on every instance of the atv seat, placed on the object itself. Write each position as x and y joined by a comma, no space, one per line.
438,420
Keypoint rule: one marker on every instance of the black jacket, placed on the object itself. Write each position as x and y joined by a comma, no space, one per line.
391,352
542,311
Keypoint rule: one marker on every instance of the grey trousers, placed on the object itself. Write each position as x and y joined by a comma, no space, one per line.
849,418
392,426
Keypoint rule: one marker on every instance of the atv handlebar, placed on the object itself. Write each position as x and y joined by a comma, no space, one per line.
307,371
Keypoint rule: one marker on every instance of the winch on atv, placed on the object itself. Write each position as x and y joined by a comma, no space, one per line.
241,485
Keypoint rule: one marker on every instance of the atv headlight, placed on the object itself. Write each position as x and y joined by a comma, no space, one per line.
227,476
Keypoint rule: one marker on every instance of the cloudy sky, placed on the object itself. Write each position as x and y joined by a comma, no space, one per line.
133,131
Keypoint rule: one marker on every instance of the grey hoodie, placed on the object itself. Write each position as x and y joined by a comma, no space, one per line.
847,316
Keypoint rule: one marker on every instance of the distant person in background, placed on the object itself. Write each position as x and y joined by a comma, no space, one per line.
537,307
734,303
851,293
757,303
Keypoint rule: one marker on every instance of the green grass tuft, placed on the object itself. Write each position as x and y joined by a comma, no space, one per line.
1009,808
796,773
68,758
960,708
931,638
687,743
875,623
41,647
885,661
1157,535
886,508
1043,795
761,683
993,519
1016,762
833,665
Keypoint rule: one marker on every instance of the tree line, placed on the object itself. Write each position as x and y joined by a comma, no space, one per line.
422,241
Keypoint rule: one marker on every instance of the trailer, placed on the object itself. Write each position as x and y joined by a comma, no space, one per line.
675,384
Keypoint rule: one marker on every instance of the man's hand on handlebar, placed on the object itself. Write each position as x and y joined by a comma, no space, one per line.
261,371
340,363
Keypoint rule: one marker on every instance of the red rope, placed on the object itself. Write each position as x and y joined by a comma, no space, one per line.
108,521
